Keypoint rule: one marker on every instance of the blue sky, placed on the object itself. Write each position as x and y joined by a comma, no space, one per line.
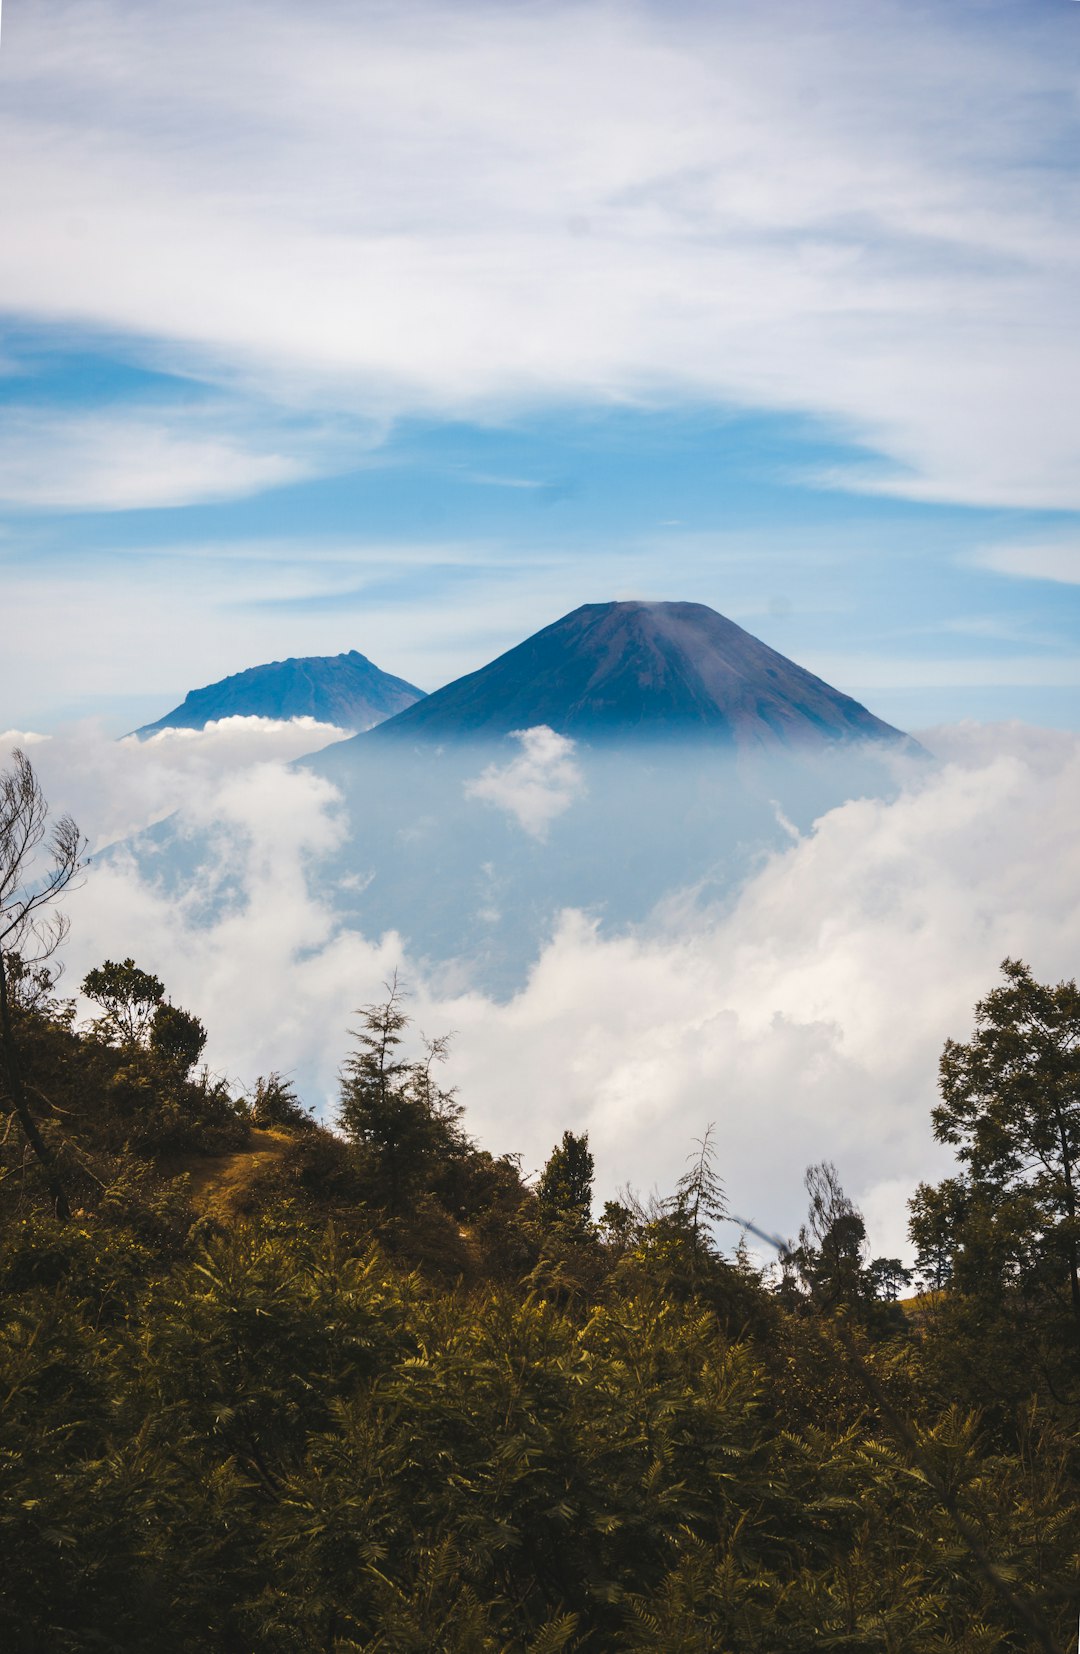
409,329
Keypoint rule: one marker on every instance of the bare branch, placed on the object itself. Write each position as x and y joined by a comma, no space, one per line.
36,866
27,888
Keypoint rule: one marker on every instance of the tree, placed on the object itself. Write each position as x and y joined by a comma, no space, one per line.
393,1110
36,867
274,1102
564,1192
937,1217
698,1203
176,1037
831,1254
1011,1108
887,1278
831,1263
129,998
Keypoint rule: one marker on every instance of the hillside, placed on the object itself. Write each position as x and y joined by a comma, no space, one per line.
270,1386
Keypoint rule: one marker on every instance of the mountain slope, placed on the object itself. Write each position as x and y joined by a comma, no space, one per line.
346,690
613,671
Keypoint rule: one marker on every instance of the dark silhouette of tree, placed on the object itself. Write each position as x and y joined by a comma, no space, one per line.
274,1102
937,1214
698,1203
405,1124
888,1278
564,1192
129,998
177,1037
36,866
832,1250
1011,1108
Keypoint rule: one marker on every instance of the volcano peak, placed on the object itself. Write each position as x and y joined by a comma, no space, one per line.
638,669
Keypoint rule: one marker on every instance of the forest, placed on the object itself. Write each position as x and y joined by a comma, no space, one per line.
274,1383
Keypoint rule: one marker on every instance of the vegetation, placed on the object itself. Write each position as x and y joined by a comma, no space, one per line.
272,1386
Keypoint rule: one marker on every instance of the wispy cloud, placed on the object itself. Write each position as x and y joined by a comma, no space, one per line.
1049,560
485,479
135,459
855,210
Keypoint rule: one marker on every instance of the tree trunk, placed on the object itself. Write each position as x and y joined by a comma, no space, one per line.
17,1093
1070,1207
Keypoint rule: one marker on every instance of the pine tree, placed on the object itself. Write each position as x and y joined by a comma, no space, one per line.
564,1192
404,1124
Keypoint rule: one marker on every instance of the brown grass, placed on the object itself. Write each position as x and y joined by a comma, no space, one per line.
219,1184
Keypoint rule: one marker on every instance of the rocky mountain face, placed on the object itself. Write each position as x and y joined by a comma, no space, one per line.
609,672
346,690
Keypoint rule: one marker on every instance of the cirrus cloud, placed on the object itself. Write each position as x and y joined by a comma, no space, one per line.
1057,560
129,461
856,210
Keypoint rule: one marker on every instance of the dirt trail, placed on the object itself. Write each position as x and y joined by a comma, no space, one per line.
218,1183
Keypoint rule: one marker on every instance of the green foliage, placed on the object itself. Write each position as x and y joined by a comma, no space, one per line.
31,988
698,1202
274,1102
1011,1108
404,1125
564,1192
128,998
394,1401
176,1037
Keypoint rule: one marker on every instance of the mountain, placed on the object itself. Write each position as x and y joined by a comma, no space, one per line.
616,671
346,690
698,751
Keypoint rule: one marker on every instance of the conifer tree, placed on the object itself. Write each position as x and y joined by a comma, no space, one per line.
564,1192
392,1109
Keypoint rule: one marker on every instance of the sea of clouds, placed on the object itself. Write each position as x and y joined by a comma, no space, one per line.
803,1014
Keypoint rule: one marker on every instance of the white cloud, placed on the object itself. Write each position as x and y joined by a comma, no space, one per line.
535,787
805,1018
242,738
1050,560
10,739
134,460
115,788
853,209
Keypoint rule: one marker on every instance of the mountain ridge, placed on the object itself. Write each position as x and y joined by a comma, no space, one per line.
347,690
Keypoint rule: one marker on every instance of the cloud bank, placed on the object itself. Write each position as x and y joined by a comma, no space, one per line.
805,1016
116,788
857,210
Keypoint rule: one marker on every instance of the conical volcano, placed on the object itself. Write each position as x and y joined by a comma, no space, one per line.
610,672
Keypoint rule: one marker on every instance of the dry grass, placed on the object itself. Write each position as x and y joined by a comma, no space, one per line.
219,1184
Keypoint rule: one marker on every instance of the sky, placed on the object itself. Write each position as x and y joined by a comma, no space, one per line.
408,328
